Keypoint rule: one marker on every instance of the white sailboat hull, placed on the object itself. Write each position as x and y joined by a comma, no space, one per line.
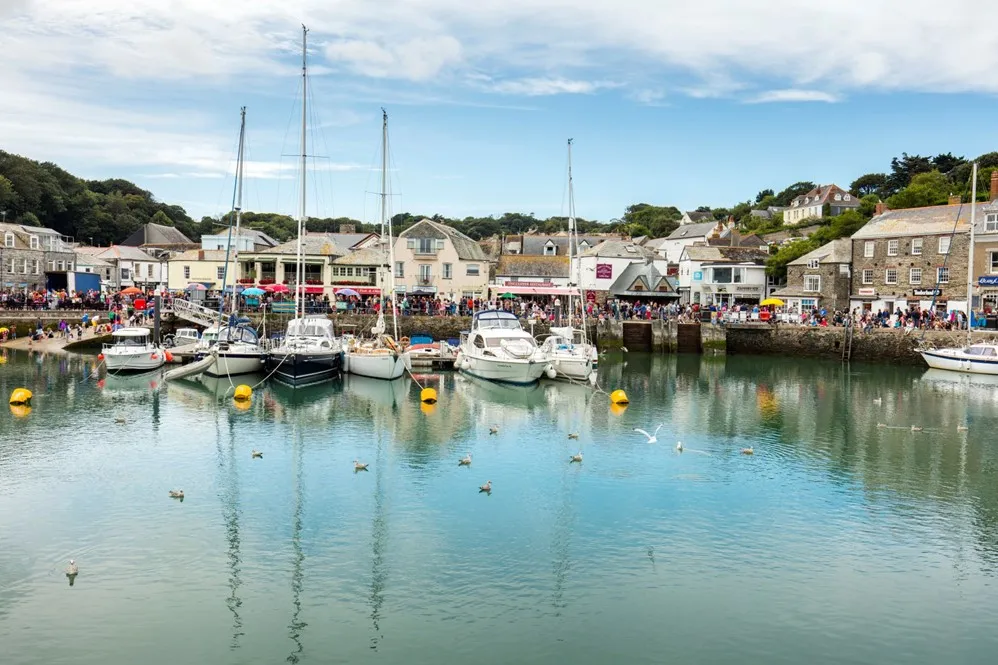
136,360
573,367
520,372
386,366
955,360
236,361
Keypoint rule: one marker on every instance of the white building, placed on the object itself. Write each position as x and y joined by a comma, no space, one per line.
600,266
812,204
712,275
248,240
130,266
671,248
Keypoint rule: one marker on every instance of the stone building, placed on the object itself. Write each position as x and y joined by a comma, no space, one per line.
27,253
819,279
917,256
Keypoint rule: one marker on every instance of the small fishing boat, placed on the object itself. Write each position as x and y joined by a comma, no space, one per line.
974,359
498,349
132,351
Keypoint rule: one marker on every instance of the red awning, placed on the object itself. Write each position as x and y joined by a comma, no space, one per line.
537,290
313,289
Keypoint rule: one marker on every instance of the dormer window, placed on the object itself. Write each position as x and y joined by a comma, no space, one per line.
583,245
838,197
33,242
8,239
550,249
847,197
991,222
812,264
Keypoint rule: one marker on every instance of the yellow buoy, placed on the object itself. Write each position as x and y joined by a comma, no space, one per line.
20,396
428,396
427,408
243,393
618,409
242,404
20,410
619,397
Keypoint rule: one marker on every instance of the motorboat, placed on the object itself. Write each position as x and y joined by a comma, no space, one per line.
498,349
236,350
571,356
309,353
132,350
979,358
182,338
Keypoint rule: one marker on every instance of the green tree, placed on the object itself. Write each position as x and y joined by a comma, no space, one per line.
776,264
30,219
659,221
926,189
161,218
903,170
763,195
945,163
784,198
871,183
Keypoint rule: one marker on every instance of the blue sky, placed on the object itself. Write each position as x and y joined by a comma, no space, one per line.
668,103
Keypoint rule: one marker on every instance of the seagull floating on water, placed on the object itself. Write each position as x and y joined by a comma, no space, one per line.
487,487
748,451
176,494
878,400
494,429
119,421
962,428
573,435
465,461
576,458
359,466
651,437
72,571
881,426
916,428
257,454
679,446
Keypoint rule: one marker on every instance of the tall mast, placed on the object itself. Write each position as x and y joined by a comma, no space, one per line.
575,278
299,291
386,223
238,208
970,261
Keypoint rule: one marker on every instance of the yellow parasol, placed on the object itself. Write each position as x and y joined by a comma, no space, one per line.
772,301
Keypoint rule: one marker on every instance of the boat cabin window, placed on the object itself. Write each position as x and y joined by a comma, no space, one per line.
989,351
132,340
306,328
975,350
240,334
497,319
479,342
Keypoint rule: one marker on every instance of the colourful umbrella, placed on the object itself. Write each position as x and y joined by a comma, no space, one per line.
194,286
253,291
347,292
131,291
276,288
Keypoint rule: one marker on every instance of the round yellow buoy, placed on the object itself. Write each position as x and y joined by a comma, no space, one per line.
427,408
428,396
618,409
20,396
20,410
243,393
619,397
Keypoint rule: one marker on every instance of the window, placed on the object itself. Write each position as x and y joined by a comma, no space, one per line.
891,276
8,240
24,266
472,270
60,265
149,270
812,264
187,272
991,222
33,242
440,244
944,244
425,245
847,197
219,272
916,247
36,268
807,304
868,248
812,283
844,269
942,275
838,197
424,274
50,266
399,269
892,247
993,256
448,271
550,249
126,273
69,266
915,276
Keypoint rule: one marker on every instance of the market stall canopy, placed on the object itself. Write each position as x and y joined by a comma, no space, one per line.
276,288
776,302
131,291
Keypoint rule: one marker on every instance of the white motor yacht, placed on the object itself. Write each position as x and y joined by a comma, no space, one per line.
498,349
973,359
132,351
571,356
309,353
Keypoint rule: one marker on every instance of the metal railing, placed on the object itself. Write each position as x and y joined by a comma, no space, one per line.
195,313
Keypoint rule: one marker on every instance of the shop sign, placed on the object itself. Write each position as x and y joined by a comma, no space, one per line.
513,283
927,292
987,280
591,296
867,292
604,271
697,275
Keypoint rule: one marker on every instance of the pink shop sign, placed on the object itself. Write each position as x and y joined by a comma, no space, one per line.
604,271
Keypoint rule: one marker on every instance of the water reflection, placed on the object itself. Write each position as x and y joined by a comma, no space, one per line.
296,627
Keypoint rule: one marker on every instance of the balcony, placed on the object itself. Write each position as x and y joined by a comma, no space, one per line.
424,280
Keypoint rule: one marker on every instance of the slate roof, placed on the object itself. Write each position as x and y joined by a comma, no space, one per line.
933,220
713,254
369,256
837,251
467,249
311,244
526,265
259,237
700,216
822,194
535,244
620,249
86,259
115,252
157,234
692,231
196,255
649,276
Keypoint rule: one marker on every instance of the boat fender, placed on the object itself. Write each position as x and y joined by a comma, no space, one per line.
551,372
169,356
100,357
20,396
154,356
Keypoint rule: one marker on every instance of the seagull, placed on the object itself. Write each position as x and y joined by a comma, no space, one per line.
962,428
465,461
881,426
576,458
878,400
651,437
494,429
72,571
177,494
119,421
487,487
748,451
257,454
359,466
679,446
916,428
573,435
624,349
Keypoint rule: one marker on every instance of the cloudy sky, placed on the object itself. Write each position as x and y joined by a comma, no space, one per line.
685,103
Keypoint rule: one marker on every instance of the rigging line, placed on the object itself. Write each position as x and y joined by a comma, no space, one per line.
284,143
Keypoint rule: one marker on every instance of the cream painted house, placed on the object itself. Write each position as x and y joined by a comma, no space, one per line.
435,259
201,266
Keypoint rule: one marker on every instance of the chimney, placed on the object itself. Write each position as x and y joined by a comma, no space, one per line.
994,185
735,238
954,199
879,209
348,228
200,255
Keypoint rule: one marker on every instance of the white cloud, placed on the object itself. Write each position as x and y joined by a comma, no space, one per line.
536,87
794,95
417,59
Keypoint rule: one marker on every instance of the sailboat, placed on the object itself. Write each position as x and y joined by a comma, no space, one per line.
382,357
310,352
234,346
568,349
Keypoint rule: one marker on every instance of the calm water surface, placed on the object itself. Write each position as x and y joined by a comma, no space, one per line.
837,542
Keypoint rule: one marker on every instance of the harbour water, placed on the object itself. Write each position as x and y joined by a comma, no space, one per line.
838,541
